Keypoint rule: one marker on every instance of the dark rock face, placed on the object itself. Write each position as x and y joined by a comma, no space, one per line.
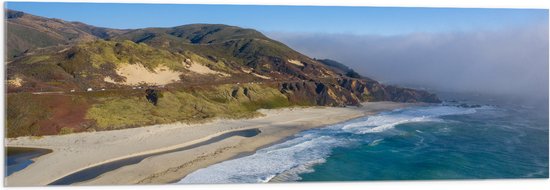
152,95
317,93
398,94
350,91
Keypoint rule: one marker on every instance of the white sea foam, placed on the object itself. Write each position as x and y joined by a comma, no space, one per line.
293,157
266,163
388,120
375,142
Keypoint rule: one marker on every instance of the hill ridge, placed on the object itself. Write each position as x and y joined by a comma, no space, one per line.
222,68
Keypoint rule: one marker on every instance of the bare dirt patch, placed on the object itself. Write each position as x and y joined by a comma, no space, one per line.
136,74
16,82
204,70
67,112
296,62
261,76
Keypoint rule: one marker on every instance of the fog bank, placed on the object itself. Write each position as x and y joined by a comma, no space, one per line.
511,61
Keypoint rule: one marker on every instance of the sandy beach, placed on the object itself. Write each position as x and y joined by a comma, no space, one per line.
74,152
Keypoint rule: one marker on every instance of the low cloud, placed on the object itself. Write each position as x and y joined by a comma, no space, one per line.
511,61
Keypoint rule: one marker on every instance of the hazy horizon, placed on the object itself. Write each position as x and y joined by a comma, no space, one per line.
511,61
493,51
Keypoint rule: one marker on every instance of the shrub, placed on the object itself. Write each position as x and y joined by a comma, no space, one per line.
23,113
184,106
66,130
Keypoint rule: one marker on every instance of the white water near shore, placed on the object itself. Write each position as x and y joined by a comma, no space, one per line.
83,150
286,160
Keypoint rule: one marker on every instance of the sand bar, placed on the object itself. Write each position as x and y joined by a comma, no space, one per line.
74,152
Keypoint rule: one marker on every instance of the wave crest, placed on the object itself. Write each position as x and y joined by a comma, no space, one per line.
285,161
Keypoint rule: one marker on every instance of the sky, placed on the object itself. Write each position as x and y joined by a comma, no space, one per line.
355,20
489,51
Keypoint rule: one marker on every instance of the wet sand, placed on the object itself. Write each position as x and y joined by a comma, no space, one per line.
77,152
18,158
93,172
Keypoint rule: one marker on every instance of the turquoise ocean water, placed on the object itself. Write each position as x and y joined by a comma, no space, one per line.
446,141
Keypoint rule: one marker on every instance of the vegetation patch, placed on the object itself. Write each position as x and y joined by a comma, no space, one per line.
66,130
191,105
100,51
23,114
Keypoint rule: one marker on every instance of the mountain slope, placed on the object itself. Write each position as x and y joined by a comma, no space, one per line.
234,46
340,68
26,31
199,71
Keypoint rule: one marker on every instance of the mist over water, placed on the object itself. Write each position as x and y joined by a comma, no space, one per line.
508,61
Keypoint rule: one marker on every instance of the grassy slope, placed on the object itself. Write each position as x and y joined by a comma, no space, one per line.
23,113
26,38
100,52
29,32
32,114
86,64
232,44
226,101
220,47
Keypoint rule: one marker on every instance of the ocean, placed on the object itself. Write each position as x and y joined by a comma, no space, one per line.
18,158
452,140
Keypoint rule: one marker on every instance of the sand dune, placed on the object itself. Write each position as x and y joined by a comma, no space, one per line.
136,74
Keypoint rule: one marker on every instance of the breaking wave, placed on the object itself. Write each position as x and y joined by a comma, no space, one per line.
286,160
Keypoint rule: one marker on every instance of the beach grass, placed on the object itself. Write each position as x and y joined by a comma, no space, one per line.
225,101
28,114
23,113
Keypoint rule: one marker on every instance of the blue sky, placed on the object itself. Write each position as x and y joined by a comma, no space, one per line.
308,19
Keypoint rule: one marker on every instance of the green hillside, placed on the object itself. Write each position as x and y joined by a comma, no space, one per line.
67,77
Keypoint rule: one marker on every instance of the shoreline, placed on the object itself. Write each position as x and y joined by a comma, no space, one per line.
18,158
95,171
90,149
